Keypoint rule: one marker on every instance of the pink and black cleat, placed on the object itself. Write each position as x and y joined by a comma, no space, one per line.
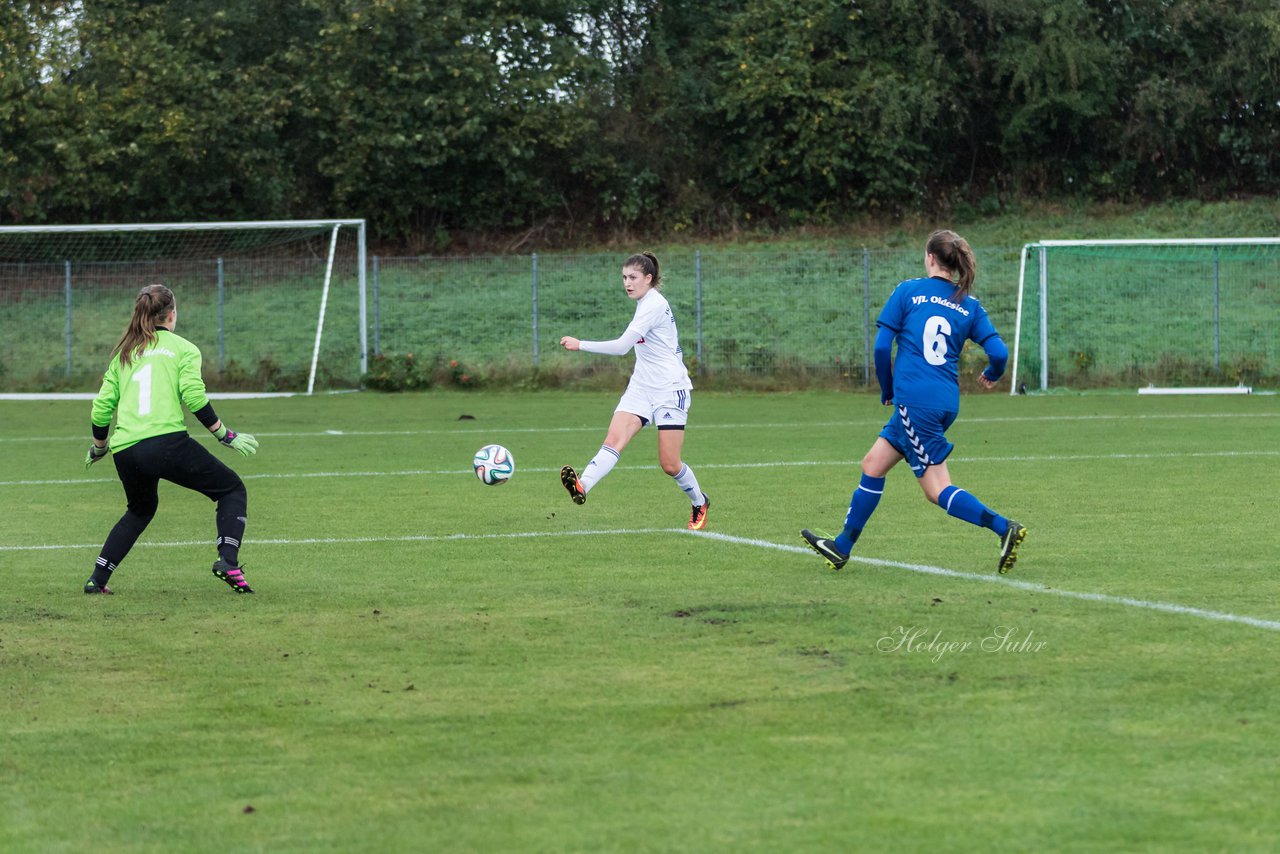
233,575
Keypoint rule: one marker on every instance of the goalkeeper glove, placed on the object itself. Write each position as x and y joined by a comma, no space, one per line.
95,454
243,443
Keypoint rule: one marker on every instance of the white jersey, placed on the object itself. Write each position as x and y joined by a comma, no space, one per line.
659,359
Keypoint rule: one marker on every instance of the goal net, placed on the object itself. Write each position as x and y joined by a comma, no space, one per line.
1190,312
272,305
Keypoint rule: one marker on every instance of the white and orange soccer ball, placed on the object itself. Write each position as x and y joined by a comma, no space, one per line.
493,464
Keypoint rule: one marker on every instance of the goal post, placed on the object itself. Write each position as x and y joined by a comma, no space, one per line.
1197,312
273,305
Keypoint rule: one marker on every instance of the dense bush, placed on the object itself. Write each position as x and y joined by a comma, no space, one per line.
396,372
573,116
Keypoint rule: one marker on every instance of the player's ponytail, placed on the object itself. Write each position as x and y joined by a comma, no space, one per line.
953,253
647,263
153,304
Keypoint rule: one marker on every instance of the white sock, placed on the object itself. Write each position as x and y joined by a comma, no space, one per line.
601,464
686,480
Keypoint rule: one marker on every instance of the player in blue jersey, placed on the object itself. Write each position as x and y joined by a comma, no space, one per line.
930,318
152,376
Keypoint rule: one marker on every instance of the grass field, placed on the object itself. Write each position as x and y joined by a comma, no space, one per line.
431,664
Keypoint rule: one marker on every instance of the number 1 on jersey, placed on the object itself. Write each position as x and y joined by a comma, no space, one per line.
142,377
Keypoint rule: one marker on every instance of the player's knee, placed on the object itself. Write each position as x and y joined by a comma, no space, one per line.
873,465
236,498
228,483
232,489
140,515
671,468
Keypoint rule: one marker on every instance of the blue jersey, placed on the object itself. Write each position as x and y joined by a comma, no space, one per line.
931,330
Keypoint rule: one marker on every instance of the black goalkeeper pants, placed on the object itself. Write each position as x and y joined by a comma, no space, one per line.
177,458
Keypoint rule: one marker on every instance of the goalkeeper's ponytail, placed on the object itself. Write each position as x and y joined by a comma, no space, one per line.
152,306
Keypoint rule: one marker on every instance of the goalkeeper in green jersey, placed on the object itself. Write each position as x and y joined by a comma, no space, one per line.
153,374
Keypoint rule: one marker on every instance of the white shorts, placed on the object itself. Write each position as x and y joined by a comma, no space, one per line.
667,409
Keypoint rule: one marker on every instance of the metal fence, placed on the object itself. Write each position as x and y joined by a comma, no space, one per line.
756,311
763,311
254,320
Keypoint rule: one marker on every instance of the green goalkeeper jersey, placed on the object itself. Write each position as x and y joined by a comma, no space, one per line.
148,394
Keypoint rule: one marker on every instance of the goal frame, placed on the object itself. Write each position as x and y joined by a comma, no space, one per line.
1042,247
337,225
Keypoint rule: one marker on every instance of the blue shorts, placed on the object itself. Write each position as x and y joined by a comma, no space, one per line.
916,433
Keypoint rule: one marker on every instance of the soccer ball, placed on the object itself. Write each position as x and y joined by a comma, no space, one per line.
493,464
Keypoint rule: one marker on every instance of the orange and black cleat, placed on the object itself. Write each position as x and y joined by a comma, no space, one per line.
569,478
698,516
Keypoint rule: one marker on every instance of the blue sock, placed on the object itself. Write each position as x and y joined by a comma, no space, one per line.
964,506
861,506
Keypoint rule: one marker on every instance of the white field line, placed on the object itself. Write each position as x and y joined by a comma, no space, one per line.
1168,608
90,395
491,431
1030,586
407,538
1034,458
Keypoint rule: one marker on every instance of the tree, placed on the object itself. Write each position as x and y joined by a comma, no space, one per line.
432,117
1200,110
34,46
833,108
171,110
1045,82
456,114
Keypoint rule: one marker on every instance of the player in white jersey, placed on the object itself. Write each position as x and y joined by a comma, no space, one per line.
659,391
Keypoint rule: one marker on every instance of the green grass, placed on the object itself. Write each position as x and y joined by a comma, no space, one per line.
432,664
